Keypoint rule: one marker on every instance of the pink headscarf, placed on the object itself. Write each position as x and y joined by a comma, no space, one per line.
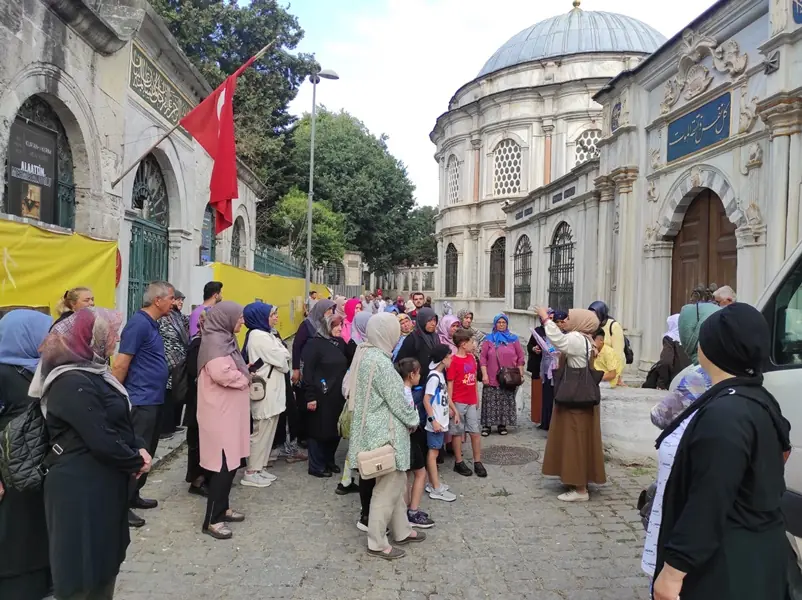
348,322
444,331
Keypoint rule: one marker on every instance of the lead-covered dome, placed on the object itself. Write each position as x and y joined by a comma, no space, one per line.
577,32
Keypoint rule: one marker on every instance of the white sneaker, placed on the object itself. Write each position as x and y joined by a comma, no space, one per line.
442,494
429,489
267,476
574,496
254,480
361,526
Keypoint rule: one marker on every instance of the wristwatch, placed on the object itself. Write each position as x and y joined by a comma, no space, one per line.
430,419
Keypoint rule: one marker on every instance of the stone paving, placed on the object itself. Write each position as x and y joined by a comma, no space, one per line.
506,536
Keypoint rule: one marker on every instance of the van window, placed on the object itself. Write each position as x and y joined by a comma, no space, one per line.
784,314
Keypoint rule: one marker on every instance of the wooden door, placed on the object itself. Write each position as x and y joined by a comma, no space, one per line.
704,249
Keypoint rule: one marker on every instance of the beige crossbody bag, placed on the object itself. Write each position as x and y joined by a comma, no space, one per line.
378,462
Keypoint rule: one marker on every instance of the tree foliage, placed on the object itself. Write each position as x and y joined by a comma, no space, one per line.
421,247
219,36
285,223
357,175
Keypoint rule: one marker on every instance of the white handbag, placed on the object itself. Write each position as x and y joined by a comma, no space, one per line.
375,463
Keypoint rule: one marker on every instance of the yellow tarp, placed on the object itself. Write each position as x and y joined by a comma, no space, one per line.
37,266
287,293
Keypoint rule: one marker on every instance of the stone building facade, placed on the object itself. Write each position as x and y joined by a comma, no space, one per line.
104,81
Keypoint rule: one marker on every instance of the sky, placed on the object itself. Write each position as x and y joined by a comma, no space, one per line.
401,61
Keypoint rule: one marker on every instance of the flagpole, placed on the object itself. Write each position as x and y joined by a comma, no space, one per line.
114,183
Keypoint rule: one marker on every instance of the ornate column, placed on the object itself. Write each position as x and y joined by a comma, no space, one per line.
624,303
440,273
547,128
604,254
751,237
477,150
657,255
473,289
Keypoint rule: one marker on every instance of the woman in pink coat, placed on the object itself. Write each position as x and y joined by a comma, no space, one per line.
223,413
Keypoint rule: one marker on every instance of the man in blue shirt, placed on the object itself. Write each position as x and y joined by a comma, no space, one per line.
141,367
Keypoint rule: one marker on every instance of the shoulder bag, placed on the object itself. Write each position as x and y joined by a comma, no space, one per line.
509,378
577,387
375,463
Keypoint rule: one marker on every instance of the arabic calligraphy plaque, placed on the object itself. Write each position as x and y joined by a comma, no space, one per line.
797,10
153,87
700,129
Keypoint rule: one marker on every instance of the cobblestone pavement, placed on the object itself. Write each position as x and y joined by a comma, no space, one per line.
506,536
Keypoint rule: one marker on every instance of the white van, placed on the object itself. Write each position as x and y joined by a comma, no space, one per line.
781,305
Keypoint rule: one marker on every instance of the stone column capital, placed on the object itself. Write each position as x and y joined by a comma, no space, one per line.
474,231
783,115
624,177
605,187
476,143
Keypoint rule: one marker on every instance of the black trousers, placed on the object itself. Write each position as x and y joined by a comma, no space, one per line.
321,454
194,469
548,404
297,414
146,420
365,494
171,413
219,492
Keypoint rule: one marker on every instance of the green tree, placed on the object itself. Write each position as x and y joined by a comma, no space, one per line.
421,247
285,223
219,36
357,175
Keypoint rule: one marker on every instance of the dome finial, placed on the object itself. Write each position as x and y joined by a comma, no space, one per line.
577,3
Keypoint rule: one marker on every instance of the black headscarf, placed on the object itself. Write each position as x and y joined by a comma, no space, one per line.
736,339
601,310
424,316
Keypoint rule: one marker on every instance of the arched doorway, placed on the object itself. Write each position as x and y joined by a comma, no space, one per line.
149,249
705,249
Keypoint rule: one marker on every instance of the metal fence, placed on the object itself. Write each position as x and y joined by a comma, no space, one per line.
272,262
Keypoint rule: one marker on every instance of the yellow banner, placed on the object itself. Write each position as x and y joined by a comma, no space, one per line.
287,293
37,266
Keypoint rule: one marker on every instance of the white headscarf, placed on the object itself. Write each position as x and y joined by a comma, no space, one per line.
673,327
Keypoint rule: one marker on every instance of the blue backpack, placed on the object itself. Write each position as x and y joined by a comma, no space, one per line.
418,392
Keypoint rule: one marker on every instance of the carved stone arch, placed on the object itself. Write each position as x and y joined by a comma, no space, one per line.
686,188
493,238
496,138
577,130
554,225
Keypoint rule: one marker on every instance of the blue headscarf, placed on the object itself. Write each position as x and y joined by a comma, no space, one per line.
501,337
22,331
257,317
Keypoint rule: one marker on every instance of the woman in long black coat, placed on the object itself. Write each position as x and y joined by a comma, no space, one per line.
325,365
86,489
24,561
720,529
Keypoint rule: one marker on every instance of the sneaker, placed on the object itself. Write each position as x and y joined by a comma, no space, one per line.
463,469
419,520
254,480
442,494
574,496
479,469
268,476
351,488
362,524
429,489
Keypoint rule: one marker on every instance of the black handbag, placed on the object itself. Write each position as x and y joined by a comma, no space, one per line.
577,387
509,378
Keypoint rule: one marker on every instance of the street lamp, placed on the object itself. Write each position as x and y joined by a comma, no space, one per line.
315,79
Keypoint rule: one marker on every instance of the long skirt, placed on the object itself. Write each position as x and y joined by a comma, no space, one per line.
574,450
498,407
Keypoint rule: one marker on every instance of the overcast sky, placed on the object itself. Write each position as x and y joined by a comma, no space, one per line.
400,61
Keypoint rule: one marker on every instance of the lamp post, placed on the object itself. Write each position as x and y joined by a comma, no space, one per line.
315,79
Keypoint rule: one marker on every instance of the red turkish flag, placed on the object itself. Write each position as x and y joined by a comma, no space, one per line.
212,124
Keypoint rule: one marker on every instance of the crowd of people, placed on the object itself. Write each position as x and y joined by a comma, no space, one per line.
400,383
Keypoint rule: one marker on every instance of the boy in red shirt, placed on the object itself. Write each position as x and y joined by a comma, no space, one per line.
464,394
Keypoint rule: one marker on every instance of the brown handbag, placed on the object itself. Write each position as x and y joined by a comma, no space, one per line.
509,378
577,387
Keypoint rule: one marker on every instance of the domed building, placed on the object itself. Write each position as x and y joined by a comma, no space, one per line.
527,119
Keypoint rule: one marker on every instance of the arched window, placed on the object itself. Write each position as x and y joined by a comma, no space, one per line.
498,267
453,180
237,237
208,240
522,263
452,265
561,269
334,274
40,181
586,146
507,168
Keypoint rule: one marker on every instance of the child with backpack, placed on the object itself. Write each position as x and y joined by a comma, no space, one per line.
409,369
438,407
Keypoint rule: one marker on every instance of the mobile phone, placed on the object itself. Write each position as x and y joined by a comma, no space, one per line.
256,366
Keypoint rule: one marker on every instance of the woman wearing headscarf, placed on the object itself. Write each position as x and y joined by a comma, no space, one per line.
174,329
87,485
500,349
223,413
613,331
352,307
325,365
340,308
263,344
378,400
445,331
717,528
407,326
673,358
197,477
574,451
420,342
24,563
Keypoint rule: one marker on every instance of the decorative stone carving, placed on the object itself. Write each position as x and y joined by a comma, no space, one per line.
692,78
779,16
748,116
754,218
754,158
650,237
772,63
696,177
653,195
616,218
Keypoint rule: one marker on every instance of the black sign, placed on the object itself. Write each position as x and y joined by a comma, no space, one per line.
519,215
528,211
556,198
569,192
32,172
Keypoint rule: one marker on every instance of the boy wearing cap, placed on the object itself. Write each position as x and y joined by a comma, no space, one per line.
438,408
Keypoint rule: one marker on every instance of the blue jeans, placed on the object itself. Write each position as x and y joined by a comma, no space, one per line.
321,454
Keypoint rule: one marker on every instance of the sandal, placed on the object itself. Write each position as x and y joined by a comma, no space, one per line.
502,430
219,531
232,516
485,431
393,554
